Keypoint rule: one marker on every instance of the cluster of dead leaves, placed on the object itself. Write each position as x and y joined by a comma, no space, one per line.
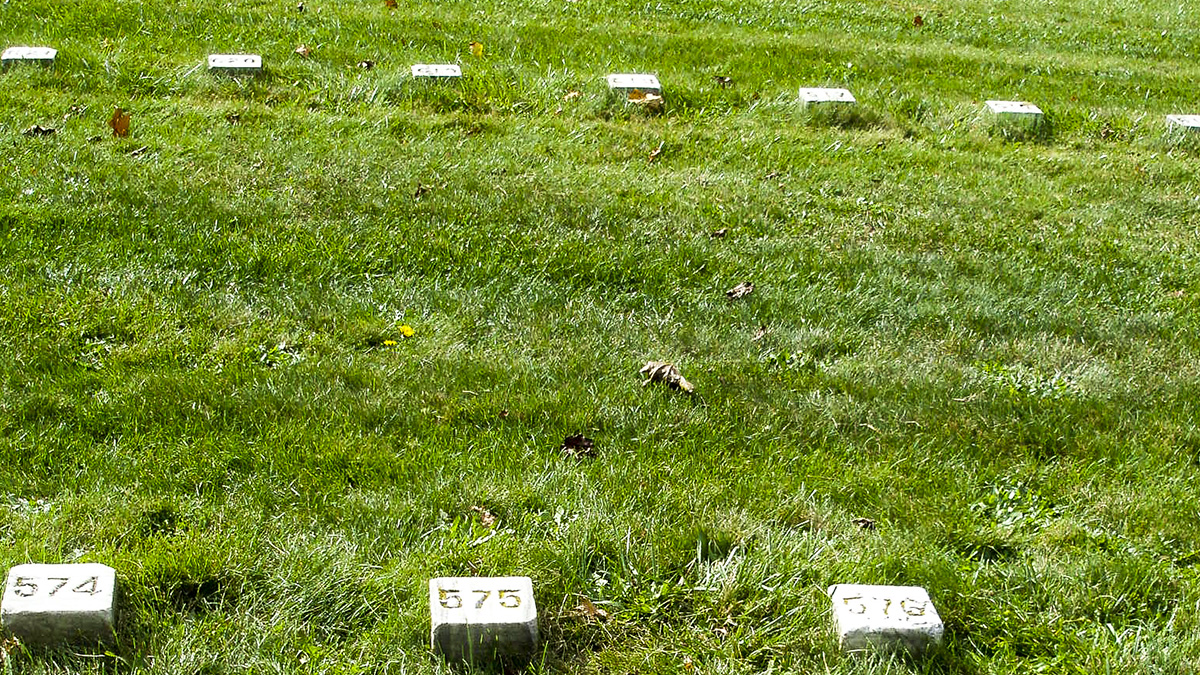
486,517
588,611
740,291
668,374
119,123
578,446
304,51
864,524
649,101
39,130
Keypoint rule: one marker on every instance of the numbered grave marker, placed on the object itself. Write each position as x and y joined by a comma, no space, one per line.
57,604
1018,112
483,618
623,84
810,97
885,618
1185,123
42,56
436,72
235,64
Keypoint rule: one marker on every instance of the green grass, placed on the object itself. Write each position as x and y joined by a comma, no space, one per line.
988,345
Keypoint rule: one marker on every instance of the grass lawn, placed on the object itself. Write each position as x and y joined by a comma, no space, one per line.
986,343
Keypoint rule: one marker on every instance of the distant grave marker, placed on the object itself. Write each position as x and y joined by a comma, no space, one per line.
1185,123
483,618
235,64
624,84
1015,111
436,72
885,618
826,97
41,56
59,604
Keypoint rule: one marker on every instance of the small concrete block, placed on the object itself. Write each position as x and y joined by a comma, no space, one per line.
1188,123
826,96
42,56
59,604
235,64
1014,110
625,83
436,71
482,618
885,618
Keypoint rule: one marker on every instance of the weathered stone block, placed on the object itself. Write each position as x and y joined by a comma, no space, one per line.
235,64
41,56
885,618
59,604
483,618
436,71
624,84
819,97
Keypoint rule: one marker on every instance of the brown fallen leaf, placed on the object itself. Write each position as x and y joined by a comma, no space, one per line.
651,102
661,371
119,122
719,234
740,291
390,4
588,611
918,21
503,414
759,334
864,523
656,152
722,81
485,517
366,64
571,95
578,446
422,190
38,130
303,50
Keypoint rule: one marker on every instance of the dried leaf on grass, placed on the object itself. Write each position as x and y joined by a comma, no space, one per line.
722,81
38,130
572,95
486,518
667,373
390,4
918,21
119,123
655,153
740,291
303,50
578,446
719,234
366,64
759,334
865,523
588,611
649,101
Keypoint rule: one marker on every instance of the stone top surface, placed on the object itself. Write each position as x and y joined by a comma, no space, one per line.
821,95
29,54
247,61
436,70
644,82
40,588
883,608
1013,108
481,600
1185,120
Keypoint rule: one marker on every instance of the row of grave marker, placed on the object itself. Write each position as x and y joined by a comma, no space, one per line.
620,83
471,618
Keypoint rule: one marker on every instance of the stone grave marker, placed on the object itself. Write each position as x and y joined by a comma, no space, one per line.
886,619
59,604
436,72
1184,123
826,97
483,618
42,56
1015,111
623,84
235,64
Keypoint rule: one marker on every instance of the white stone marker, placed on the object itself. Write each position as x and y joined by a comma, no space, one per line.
826,96
52,604
624,83
235,64
42,56
1017,111
436,71
885,618
480,618
1188,123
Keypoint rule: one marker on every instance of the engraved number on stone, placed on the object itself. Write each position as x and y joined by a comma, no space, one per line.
862,606
483,596
887,605
88,586
916,609
510,599
24,587
61,582
449,598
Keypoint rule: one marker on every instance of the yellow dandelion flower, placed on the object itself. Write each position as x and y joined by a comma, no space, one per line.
389,343
407,331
